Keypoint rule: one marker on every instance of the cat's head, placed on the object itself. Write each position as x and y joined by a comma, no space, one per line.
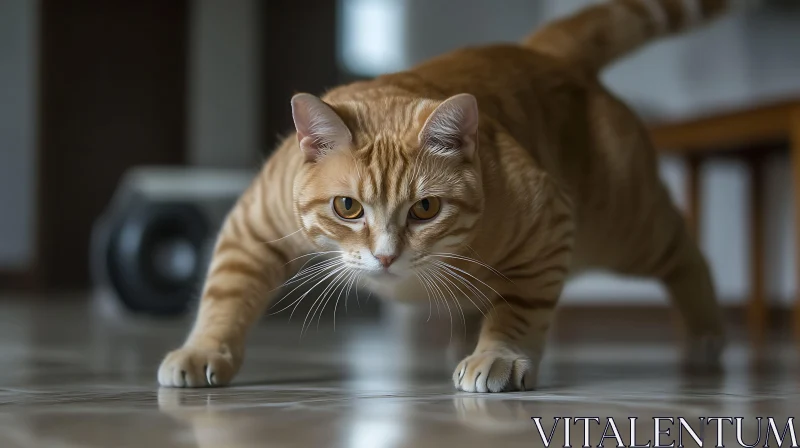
392,184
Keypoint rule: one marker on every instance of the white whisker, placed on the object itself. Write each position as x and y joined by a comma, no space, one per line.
429,288
430,305
445,273
319,301
303,273
435,298
449,266
443,279
358,302
343,288
314,253
444,300
337,284
325,275
310,271
483,298
305,269
309,278
281,238
354,281
471,260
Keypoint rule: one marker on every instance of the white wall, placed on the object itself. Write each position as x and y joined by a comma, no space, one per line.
224,77
17,132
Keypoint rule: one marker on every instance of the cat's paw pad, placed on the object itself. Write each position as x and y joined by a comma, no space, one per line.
196,367
495,371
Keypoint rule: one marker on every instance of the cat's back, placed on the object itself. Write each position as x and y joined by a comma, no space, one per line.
504,66
488,72
501,71
528,93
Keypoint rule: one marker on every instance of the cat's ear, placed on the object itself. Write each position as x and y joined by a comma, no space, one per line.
319,128
452,128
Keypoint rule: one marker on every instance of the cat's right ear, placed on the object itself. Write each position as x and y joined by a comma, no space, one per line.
451,129
319,128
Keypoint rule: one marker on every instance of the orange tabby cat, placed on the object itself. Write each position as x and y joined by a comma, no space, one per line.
513,152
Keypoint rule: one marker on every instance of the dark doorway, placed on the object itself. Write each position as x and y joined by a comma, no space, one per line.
112,95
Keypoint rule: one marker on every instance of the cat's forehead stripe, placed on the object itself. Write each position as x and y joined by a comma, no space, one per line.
387,168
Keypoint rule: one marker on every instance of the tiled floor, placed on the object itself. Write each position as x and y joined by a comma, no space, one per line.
73,376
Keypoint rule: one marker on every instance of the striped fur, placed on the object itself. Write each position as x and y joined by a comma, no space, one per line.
604,32
540,172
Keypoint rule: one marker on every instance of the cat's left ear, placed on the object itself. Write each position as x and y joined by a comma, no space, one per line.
452,128
319,127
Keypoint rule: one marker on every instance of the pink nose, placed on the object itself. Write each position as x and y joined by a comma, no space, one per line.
386,260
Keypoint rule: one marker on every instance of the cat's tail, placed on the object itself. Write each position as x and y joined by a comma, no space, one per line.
599,34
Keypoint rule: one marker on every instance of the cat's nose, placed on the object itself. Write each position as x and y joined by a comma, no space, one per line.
386,260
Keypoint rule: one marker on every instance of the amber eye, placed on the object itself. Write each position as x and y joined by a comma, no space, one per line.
347,208
425,209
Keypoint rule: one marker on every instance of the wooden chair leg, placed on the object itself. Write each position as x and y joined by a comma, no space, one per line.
693,196
691,213
757,305
794,150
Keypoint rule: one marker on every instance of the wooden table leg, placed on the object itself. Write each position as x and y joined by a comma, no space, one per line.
794,149
757,305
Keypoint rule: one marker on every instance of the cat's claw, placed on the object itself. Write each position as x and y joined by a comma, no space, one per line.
196,367
495,371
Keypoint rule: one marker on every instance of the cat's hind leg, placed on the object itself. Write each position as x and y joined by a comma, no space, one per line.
666,251
688,281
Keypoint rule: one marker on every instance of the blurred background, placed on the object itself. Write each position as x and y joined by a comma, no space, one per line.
91,89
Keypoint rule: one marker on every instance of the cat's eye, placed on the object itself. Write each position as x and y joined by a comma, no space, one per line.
425,209
347,208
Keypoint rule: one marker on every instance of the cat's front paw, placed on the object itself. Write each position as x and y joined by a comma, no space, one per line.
197,367
496,371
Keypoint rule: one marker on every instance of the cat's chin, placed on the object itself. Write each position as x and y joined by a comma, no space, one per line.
396,287
386,279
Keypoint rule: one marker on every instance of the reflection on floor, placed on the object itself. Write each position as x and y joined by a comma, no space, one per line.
73,379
